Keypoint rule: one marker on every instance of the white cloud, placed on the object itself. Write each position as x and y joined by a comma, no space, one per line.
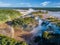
2,4
25,4
45,3
57,6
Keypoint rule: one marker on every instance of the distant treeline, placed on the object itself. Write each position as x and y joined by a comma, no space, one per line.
36,8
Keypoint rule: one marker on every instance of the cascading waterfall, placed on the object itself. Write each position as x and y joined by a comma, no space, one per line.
43,26
38,28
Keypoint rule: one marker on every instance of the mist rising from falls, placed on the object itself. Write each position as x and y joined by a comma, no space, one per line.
38,28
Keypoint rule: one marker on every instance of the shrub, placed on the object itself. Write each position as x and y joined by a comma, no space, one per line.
9,41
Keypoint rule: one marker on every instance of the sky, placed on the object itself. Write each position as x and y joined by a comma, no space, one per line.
29,3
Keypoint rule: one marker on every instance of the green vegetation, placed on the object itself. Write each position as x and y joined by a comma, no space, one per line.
6,13
46,35
9,41
54,20
22,21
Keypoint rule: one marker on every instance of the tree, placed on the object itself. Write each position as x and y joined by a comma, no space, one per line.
45,34
4,40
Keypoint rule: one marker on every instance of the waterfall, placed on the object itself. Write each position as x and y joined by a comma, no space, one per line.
38,28
43,26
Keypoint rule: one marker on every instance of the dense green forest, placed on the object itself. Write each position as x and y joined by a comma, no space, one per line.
22,21
36,8
10,15
6,14
4,40
56,21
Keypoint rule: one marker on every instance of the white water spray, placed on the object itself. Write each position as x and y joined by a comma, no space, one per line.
38,28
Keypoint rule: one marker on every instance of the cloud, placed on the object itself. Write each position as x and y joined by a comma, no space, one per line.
2,4
45,3
57,6
25,4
